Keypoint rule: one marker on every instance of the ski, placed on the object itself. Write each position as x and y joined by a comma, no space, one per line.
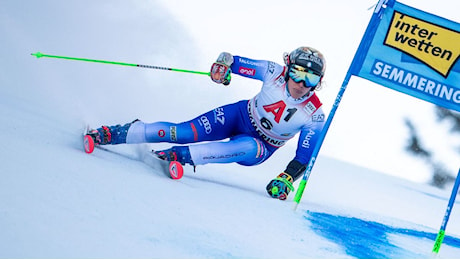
172,169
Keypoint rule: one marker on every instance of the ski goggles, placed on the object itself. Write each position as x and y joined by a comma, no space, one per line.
298,73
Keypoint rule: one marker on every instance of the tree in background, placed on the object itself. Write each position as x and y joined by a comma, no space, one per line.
441,176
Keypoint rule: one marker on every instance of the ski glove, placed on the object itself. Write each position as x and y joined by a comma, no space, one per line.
220,70
280,187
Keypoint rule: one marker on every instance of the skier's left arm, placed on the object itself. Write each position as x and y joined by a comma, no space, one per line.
308,138
309,135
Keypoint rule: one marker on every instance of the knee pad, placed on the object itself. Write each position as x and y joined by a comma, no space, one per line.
261,153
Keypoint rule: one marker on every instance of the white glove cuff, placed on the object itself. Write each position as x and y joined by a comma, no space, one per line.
225,58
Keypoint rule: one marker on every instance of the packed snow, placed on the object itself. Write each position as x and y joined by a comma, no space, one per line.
58,202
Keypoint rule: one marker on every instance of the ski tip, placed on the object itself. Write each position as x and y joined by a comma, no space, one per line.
176,171
88,144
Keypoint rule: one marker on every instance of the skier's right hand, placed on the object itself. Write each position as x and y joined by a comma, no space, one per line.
280,187
220,70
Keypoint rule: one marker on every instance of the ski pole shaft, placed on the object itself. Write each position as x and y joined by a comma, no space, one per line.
352,70
311,163
41,55
303,183
299,192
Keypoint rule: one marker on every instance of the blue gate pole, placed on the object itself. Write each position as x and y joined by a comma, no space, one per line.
442,231
311,163
355,66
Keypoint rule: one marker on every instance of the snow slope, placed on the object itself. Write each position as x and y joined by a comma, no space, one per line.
58,202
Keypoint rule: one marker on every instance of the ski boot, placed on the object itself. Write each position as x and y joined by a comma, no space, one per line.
176,156
106,135
95,137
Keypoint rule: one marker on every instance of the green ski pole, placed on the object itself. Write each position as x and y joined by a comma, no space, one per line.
303,183
41,55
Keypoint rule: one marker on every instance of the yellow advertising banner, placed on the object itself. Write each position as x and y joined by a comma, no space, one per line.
436,46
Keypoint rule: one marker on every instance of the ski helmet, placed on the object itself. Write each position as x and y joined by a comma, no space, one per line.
308,58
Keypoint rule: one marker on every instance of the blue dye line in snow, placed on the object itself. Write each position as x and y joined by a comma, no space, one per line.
367,239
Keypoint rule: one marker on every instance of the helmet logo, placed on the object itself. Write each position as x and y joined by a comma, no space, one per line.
308,58
312,57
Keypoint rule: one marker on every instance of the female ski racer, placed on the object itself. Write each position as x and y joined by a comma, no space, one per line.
254,129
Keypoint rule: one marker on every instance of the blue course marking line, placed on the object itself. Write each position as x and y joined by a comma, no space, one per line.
368,239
